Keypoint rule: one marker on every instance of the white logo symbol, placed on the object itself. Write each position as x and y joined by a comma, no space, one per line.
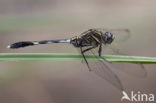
125,96
138,96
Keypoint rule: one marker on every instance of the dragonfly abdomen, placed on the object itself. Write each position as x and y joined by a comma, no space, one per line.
20,44
32,43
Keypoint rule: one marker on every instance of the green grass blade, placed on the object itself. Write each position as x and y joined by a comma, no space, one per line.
72,57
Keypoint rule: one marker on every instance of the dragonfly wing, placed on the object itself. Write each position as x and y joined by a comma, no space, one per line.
115,48
103,70
137,70
121,35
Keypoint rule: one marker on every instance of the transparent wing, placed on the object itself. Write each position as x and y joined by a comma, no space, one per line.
122,36
135,70
103,69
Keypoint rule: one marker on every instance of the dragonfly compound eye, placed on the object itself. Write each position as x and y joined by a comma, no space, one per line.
108,38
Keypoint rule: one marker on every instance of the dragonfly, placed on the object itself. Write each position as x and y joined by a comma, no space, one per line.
94,42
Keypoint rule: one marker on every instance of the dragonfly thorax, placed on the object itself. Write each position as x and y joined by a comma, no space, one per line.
92,38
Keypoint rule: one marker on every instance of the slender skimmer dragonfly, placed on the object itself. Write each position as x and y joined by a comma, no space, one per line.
93,42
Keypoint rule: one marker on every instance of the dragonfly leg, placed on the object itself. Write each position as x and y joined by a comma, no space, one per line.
87,49
100,51
85,59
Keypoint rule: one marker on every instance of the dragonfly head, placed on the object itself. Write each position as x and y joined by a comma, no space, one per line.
107,38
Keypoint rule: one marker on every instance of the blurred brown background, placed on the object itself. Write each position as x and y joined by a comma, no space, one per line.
70,81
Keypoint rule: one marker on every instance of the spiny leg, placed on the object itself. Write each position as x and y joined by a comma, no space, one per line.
87,49
85,58
83,51
100,52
